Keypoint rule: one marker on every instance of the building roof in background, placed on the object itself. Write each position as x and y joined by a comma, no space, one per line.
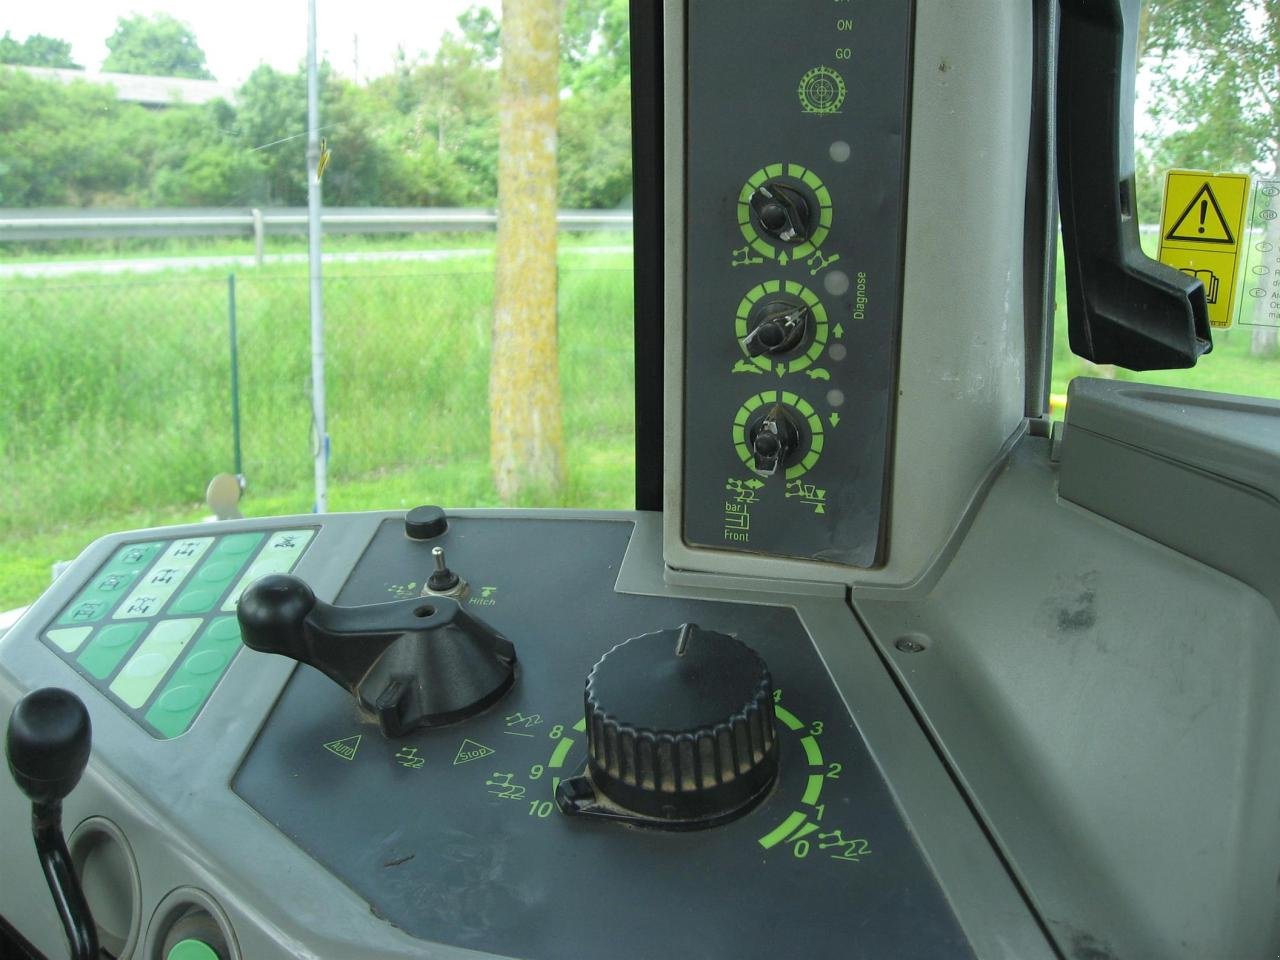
135,88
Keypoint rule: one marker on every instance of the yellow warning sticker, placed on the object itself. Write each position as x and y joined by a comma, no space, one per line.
1201,227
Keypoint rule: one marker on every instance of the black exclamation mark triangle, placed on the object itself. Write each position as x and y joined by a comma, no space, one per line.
1202,221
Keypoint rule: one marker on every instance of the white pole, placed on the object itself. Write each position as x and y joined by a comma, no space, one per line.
313,251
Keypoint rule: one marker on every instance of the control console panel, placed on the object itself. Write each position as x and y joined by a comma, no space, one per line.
795,173
453,743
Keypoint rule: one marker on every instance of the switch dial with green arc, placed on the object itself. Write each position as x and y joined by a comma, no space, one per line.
784,211
781,326
778,432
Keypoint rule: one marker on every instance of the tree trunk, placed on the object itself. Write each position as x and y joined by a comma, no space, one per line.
526,443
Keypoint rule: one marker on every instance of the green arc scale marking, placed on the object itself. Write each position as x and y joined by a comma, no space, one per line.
820,325
796,824
801,406
796,172
561,753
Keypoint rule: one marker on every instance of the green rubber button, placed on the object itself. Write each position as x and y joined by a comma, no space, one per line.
220,571
191,950
239,544
195,601
225,628
207,661
181,699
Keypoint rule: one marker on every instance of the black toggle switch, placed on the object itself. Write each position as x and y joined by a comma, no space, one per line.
422,662
47,746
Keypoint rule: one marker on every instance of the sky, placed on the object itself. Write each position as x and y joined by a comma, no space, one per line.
237,35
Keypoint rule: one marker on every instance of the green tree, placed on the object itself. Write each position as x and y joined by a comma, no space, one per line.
157,45
37,51
595,116
440,118
67,144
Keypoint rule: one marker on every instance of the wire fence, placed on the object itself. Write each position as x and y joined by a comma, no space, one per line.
120,395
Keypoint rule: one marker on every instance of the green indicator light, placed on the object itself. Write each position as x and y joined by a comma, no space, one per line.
824,218
562,751
812,751
823,195
773,170
792,399
813,789
783,830
581,725
787,717
812,180
759,177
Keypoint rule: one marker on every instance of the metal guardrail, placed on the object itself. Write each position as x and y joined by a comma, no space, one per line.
62,224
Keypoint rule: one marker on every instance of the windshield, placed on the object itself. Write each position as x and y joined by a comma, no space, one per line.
475,307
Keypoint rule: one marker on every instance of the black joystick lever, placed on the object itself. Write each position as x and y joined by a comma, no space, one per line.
48,748
414,663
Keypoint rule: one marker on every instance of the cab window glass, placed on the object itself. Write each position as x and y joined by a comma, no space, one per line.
155,167
1208,94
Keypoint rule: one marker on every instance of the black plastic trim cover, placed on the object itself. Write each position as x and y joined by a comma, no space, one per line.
647,232
1122,307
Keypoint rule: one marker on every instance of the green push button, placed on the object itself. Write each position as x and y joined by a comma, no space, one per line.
109,584
238,544
109,647
189,688
192,950
144,670
219,570
195,601
69,638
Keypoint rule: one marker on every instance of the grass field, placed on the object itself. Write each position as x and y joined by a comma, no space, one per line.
117,408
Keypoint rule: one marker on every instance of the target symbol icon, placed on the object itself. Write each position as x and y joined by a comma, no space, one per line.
822,90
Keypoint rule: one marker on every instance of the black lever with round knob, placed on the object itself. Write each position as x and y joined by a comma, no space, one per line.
411,663
47,746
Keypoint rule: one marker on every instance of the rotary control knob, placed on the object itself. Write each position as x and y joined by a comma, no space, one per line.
773,440
680,732
781,328
782,210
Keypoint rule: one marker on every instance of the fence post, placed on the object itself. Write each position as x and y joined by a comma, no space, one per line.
259,236
235,374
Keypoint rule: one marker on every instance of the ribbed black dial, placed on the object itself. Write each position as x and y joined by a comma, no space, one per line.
680,726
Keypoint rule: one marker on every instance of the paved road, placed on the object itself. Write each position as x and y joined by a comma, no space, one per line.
65,268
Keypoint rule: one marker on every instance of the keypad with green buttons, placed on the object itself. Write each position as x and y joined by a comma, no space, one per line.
155,627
